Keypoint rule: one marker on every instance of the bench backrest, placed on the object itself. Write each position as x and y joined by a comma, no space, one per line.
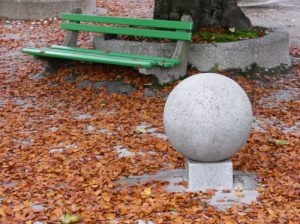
177,30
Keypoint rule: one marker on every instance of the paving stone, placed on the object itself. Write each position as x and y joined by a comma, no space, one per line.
58,150
171,173
128,181
295,128
144,125
38,207
2,103
272,100
287,95
62,185
71,78
174,180
151,130
105,131
101,11
23,103
90,128
175,188
258,124
165,174
121,88
174,184
71,146
25,142
224,201
142,128
245,181
39,76
84,84
10,184
38,222
53,129
123,152
85,159
55,83
160,135
20,102
146,128
152,152
98,157
114,87
148,92
144,222
164,95
98,85
115,221
83,116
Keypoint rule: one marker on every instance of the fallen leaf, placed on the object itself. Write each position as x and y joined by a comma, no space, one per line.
147,191
279,141
239,194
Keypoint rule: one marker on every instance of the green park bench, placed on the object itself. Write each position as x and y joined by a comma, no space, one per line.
164,68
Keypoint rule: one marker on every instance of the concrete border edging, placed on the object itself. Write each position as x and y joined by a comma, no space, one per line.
268,52
40,9
256,3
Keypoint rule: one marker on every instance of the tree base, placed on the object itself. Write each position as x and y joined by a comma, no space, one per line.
213,13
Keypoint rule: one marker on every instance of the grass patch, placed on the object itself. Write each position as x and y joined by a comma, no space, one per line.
219,35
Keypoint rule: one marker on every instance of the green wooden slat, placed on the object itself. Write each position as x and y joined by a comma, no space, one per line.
177,25
128,31
52,53
165,62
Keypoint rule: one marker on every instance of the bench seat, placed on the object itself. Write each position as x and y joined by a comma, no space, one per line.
165,69
114,58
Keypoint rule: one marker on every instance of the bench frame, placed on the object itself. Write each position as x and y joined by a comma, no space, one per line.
164,75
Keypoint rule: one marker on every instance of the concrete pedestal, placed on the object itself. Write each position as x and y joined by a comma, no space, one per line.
202,176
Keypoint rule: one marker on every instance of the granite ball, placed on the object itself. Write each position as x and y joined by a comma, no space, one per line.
208,117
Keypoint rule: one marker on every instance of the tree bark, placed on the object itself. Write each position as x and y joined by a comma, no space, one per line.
205,13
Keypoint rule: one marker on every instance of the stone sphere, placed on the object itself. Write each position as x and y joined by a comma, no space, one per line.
208,117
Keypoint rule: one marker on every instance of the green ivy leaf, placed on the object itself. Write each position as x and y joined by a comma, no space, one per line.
70,218
280,141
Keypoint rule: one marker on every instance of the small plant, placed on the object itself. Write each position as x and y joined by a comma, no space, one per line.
215,69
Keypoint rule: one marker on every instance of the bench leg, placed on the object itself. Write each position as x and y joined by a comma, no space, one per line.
72,36
166,75
51,65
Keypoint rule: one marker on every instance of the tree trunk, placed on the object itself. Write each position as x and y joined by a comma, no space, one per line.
205,13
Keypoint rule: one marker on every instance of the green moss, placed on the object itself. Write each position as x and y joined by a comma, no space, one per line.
228,35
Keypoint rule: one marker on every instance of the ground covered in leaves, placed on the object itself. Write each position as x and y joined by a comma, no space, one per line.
59,144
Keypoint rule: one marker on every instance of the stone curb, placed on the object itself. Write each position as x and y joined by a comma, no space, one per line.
268,52
40,9
256,3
